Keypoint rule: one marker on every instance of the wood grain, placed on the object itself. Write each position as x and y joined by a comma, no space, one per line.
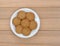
49,13
42,38
30,3
46,24
42,12
9,44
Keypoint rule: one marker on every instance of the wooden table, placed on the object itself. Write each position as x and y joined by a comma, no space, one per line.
48,11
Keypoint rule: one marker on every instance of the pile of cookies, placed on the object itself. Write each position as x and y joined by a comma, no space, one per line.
24,22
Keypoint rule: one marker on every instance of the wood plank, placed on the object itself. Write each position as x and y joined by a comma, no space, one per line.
6,12
9,44
30,3
46,24
42,12
42,38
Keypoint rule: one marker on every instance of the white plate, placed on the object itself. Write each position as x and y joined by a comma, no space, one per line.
33,31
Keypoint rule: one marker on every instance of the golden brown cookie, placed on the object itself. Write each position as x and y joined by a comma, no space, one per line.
19,29
21,14
33,25
30,16
25,23
16,21
26,31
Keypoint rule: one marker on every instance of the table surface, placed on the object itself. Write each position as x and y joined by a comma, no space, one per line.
49,13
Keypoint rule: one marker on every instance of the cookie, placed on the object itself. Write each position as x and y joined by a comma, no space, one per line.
19,29
26,31
25,23
33,25
30,16
21,15
16,21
